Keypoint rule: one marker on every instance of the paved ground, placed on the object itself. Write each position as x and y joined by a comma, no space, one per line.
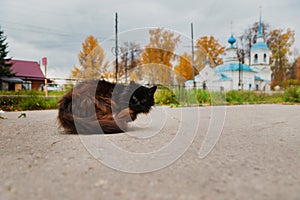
256,157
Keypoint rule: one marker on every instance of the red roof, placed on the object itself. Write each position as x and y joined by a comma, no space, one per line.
27,69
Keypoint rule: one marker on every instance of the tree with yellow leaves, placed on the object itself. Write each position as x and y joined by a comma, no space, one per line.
296,67
280,43
91,60
156,59
183,70
212,48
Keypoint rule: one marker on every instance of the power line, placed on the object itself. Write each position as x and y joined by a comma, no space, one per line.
39,29
68,38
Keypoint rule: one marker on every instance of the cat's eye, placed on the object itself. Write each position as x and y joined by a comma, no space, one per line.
134,98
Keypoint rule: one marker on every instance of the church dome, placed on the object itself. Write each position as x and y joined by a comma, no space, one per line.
231,40
260,45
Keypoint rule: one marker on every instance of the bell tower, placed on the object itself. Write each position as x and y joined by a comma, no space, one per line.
260,59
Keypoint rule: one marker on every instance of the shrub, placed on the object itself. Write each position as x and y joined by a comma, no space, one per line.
234,97
203,97
27,102
218,98
164,96
292,94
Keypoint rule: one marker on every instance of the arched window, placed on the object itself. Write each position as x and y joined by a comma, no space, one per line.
265,58
255,58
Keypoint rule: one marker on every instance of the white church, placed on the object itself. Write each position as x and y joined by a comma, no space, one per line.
233,75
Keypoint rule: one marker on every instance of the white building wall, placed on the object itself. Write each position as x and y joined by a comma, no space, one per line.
247,80
265,73
227,85
235,80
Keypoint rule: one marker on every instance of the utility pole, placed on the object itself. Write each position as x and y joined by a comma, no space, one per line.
116,47
44,62
241,58
126,54
193,55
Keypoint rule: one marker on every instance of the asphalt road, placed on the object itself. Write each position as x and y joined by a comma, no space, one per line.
257,156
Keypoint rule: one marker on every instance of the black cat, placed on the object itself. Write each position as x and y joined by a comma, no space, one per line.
94,103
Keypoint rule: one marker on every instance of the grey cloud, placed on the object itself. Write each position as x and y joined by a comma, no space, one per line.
56,29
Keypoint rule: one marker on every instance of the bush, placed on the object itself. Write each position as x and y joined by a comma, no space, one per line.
164,96
234,97
289,83
27,102
203,97
218,98
186,97
292,94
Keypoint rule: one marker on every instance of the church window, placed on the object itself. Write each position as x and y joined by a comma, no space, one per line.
265,58
255,58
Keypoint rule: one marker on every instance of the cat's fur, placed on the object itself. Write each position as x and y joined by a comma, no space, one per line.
109,105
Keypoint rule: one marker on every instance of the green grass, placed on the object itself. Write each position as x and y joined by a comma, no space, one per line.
181,97
173,96
164,96
292,94
33,93
251,97
28,100
194,97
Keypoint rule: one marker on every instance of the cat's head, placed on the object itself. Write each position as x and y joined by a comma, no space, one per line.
142,99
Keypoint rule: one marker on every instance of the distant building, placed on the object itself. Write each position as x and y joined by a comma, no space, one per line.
260,61
233,75
28,76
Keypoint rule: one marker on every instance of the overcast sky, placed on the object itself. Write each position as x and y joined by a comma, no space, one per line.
56,28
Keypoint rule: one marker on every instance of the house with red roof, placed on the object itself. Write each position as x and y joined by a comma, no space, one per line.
28,76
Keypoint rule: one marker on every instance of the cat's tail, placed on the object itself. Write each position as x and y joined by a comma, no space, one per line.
65,116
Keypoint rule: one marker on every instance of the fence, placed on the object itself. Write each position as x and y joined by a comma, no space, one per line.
185,96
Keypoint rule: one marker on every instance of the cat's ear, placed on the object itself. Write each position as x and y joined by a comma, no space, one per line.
152,90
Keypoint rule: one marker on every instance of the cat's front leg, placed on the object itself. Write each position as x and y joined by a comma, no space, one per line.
126,114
